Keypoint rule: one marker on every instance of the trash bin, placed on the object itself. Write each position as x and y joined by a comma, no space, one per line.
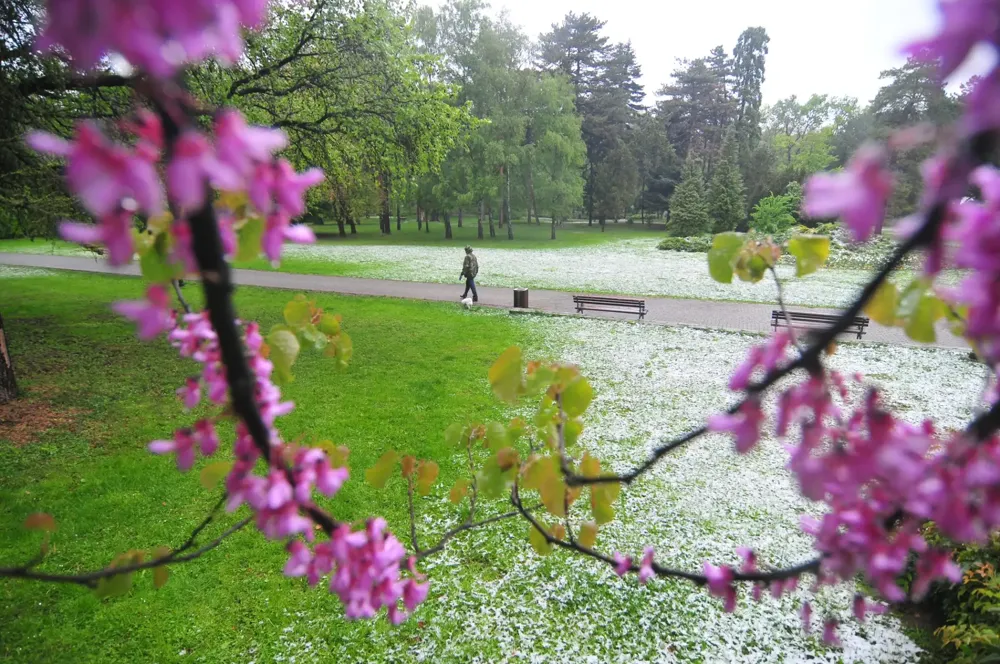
521,298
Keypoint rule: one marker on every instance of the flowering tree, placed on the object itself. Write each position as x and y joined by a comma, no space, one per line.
212,195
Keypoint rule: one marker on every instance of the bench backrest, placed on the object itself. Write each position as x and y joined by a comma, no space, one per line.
815,318
588,299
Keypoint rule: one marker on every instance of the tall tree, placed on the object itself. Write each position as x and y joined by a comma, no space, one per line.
690,108
688,207
657,163
726,199
749,58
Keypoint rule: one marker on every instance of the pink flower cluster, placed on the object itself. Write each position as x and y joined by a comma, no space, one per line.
364,570
115,182
160,36
857,195
976,232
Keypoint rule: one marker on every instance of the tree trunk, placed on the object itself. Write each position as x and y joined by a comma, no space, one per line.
399,221
601,221
8,385
531,198
506,204
427,224
459,217
553,225
384,184
354,228
493,232
479,227
435,216
447,225
590,195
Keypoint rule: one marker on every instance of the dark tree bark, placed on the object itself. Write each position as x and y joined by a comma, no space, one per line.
479,228
420,219
506,205
8,384
354,228
493,232
447,225
399,221
459,217
553,225
385,216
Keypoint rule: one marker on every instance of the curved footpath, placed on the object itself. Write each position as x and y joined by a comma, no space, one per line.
742,316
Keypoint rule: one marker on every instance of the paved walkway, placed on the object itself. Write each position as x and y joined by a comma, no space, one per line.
697,313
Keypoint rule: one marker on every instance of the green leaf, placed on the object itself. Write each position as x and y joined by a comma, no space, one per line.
249,238
160,576
427,473
538,541
379,474
883,305
408,464
114,586
311,334
720,256
810,251
492,480
497,437
458,491
544,476
40,521
456,434
588,535
572,430
920,324
161,573
329,324
505,375
602,498
213,473
576,397
284,349
298,312
154,264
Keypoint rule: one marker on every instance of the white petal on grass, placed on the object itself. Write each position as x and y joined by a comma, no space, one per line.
630,266
494,600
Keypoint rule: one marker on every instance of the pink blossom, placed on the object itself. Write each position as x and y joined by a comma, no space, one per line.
290,187
744,425
160,37
858,194
182,445
646,566
299,558
414,594
206,437
241,147
152,315
190,393
964,23
192,162
622,564
114,231
720,584
830,633
806,614
105,176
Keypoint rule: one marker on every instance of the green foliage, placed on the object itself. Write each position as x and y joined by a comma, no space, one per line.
726,201
213,473
380,473
772,215
688,207
698,243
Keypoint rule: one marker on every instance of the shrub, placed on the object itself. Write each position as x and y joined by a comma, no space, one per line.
695,243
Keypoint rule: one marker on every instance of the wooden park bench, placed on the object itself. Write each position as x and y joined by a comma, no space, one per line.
615,304
802,320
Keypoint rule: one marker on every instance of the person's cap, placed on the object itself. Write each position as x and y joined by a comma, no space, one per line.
468,249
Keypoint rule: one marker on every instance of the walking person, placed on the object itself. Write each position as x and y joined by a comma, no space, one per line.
470,268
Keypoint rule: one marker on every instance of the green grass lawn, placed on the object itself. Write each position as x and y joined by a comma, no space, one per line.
417,368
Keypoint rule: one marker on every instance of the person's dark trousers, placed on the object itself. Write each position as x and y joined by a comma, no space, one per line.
470,284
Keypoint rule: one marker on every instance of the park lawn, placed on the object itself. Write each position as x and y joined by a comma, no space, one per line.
96,396
526,236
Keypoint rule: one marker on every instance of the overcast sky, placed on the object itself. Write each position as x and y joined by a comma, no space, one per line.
836,48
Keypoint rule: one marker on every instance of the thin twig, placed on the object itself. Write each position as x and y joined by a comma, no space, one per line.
784,310
180,296
413,518
808,567
469,525
90,579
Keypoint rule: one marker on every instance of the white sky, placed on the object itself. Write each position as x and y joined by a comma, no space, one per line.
836,48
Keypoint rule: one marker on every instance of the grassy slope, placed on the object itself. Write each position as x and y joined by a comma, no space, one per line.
418,367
